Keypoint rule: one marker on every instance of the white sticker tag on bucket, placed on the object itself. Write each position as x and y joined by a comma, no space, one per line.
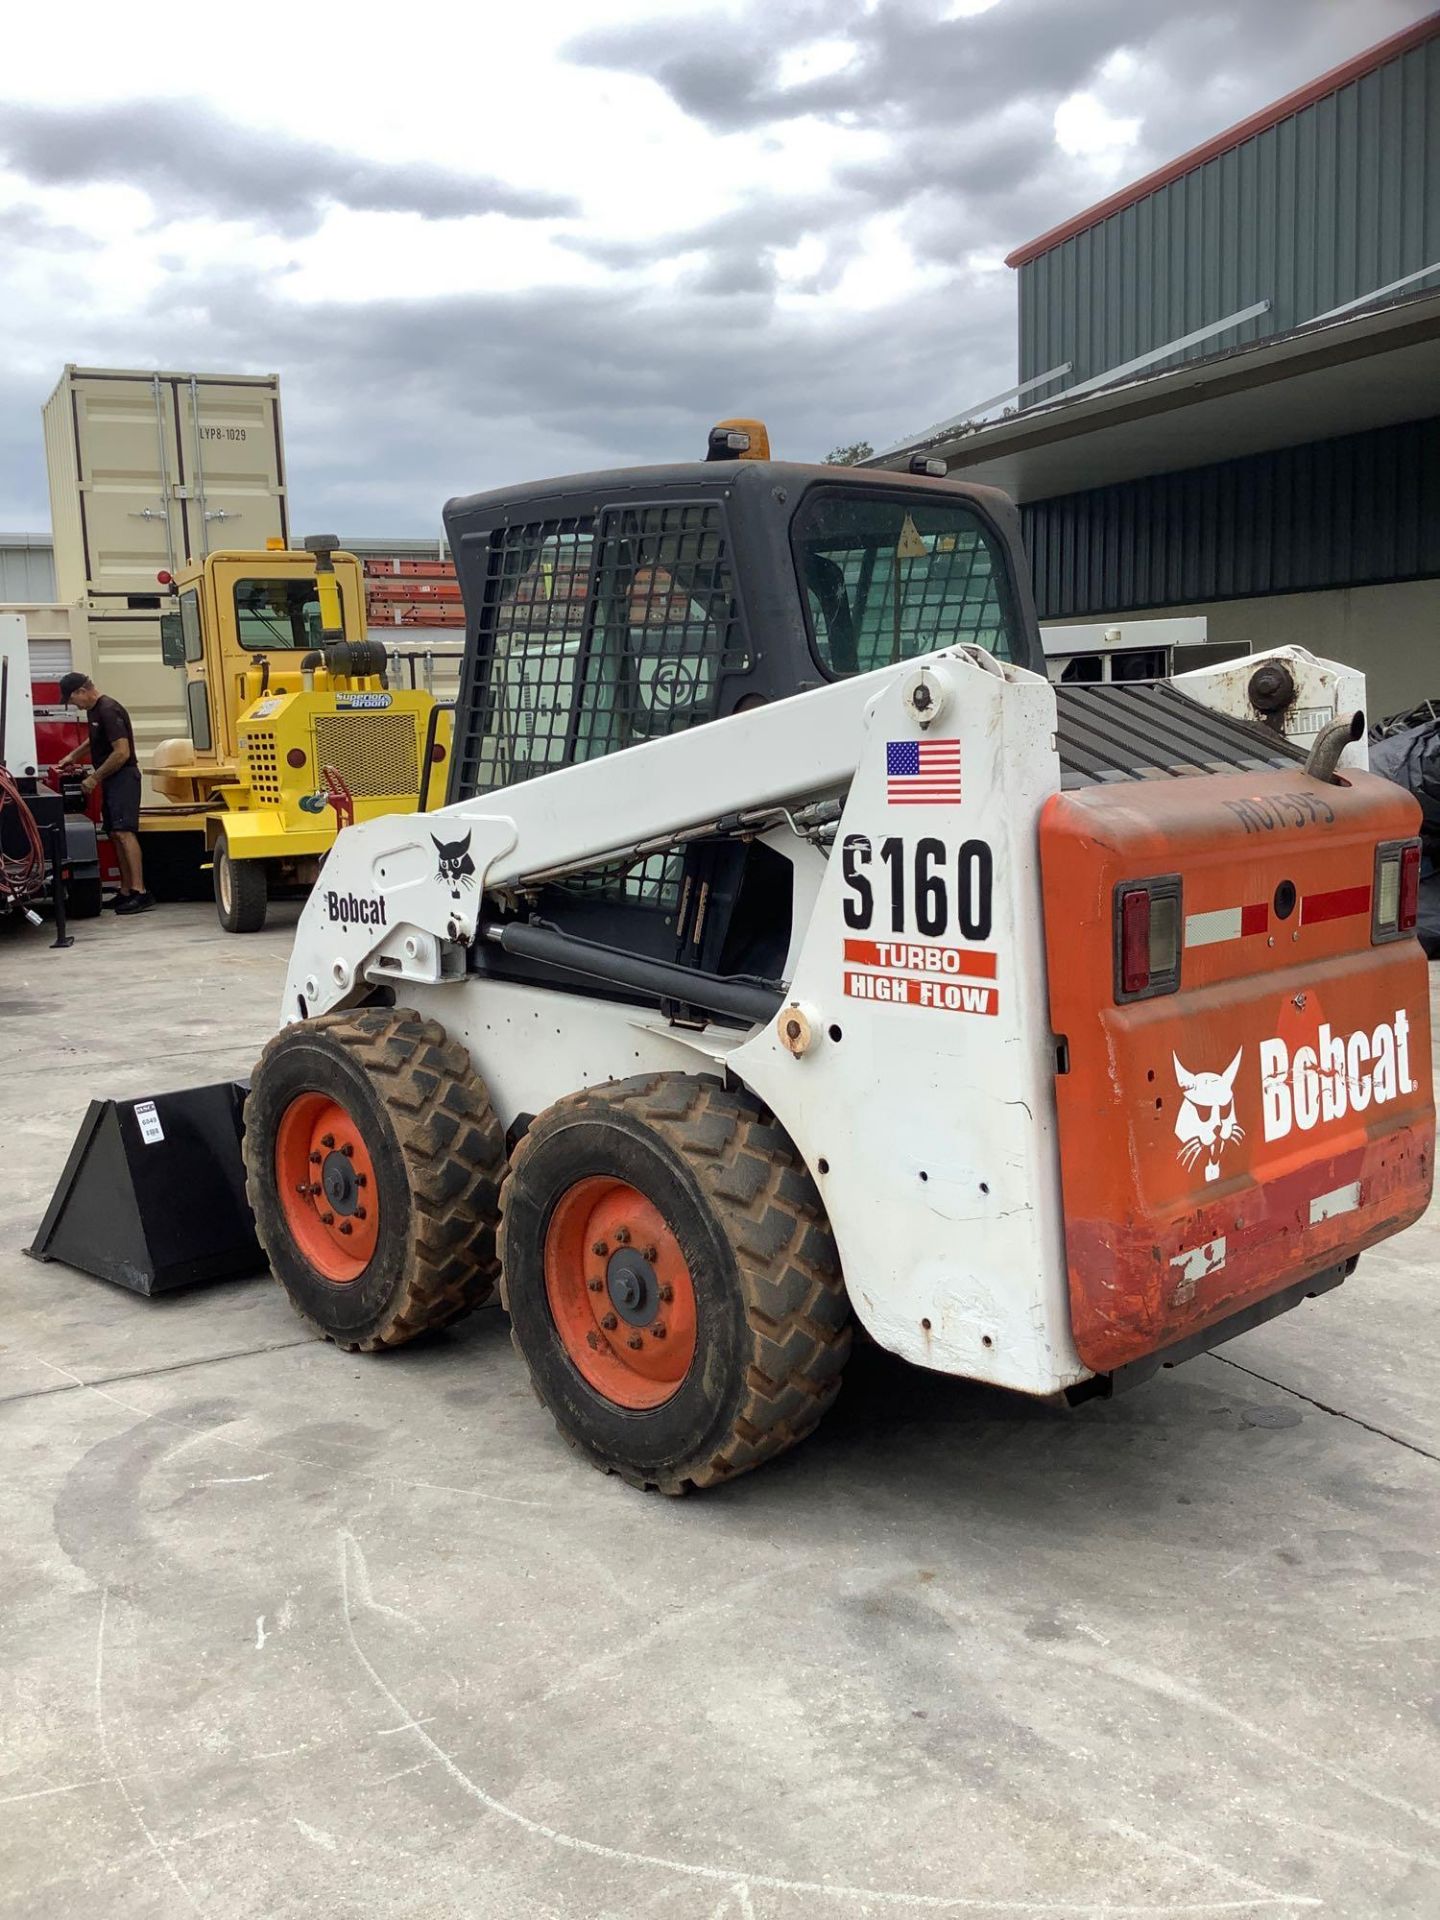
151,1131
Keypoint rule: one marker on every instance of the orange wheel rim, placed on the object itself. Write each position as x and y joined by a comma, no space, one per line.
326,1182
620,1293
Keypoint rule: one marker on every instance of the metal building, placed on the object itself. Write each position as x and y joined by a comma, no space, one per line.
27,567
1229,383
1330,196
27,587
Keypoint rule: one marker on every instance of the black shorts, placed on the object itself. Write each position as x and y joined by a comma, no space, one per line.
120,800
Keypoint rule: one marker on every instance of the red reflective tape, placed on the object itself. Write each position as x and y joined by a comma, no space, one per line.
915,956
1338,905
1255,919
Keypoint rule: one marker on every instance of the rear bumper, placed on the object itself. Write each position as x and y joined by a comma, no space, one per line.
1135,1294
1121,1379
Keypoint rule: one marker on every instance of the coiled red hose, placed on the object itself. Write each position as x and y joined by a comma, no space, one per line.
20,874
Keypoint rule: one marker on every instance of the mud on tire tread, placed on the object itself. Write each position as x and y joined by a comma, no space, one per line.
761,1196
452,1151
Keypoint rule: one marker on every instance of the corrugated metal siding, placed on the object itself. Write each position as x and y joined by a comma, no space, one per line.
1339,199
1351,512
27,567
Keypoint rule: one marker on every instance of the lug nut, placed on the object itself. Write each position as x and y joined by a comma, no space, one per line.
652,1254
609,1322
327,1219
304,1187
327,1139
600,1249
345,1227
361,1180
348,1150
622,1234
667,1294
595,1286
657,1332
316,1158
635,1341
359,1213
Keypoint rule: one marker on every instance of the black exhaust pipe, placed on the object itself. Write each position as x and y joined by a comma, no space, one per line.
1331,742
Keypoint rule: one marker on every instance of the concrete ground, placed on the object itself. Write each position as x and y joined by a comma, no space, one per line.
286,1632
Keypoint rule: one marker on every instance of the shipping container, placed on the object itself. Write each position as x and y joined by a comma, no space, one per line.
148,471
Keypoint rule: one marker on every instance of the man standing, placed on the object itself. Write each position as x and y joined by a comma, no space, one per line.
115,770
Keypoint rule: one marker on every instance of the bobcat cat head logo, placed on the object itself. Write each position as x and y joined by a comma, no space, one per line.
456,866
1206,1123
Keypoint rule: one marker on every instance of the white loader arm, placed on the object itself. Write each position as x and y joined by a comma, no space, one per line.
397,899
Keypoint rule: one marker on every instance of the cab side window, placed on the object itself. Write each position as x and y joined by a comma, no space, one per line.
891,577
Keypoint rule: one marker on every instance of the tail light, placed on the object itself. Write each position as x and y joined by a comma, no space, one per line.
1397,890
1410,888
1147,937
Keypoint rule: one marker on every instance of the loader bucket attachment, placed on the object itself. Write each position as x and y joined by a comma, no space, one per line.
153,1194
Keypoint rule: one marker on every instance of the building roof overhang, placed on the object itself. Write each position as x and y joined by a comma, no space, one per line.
1351,375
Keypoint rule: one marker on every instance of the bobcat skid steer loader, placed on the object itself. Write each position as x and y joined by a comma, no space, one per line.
790,949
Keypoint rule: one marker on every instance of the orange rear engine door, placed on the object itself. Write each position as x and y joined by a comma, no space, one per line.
1270,1115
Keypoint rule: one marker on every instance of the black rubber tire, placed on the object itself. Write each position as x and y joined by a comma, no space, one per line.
84,899
439,1156
242,891
773,1317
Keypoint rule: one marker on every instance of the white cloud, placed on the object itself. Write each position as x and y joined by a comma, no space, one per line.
1083,125
813,61
482,242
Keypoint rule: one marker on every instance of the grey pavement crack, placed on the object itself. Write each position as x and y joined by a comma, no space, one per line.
1321,1406
147,1373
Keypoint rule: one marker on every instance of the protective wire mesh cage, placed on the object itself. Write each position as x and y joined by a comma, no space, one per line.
598,634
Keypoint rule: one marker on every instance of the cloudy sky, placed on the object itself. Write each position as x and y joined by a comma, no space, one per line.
488,243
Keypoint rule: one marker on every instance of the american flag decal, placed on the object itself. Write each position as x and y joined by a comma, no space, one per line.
922,773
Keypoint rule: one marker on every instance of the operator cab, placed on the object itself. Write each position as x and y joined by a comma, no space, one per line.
605,610
244,623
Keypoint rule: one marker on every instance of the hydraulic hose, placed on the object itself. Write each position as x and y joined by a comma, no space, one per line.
20,874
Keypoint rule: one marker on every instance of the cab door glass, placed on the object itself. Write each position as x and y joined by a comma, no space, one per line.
888,577
190,625
198,708
279,614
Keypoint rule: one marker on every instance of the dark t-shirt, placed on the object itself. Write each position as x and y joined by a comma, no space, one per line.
109,725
